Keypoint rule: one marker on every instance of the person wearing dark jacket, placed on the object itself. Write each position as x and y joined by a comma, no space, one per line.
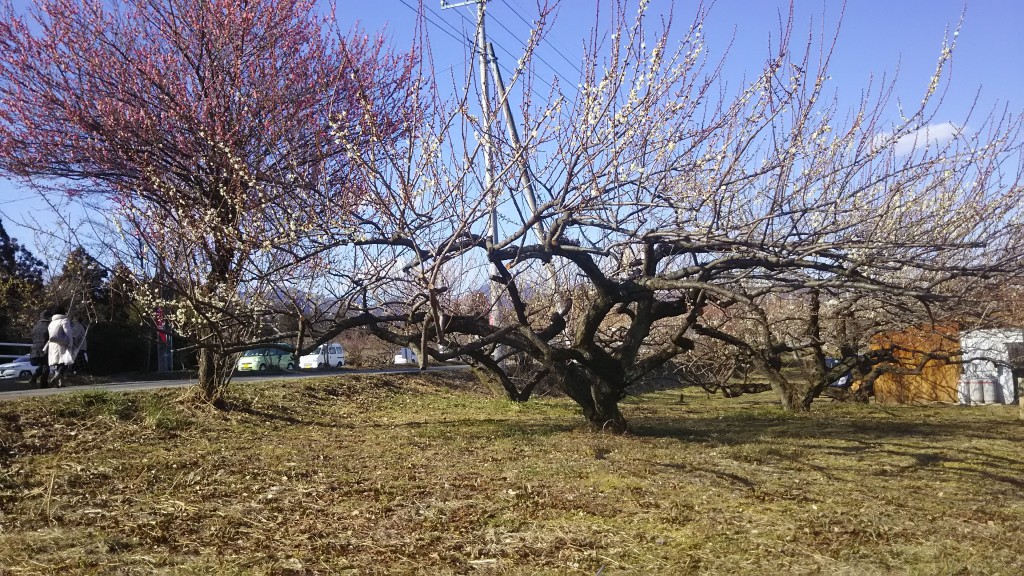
38,354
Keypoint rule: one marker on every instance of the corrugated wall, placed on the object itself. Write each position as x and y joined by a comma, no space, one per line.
929,346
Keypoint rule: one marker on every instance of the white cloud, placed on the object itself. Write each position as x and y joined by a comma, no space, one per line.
930,136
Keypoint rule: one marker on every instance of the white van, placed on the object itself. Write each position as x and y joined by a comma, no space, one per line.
325,355
405,356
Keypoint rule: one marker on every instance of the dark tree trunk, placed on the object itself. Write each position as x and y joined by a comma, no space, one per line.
213,377
599,399
795,398
795,395
491,369
301,336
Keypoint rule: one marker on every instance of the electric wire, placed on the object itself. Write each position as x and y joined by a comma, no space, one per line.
514,58
454,33
538,56
501,47
458,39
560,50
448,24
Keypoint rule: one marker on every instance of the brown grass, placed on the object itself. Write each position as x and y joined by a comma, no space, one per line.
375,475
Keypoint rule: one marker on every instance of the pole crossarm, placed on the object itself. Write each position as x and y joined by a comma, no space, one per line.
460,4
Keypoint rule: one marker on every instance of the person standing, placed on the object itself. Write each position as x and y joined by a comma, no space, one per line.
37,355
58,347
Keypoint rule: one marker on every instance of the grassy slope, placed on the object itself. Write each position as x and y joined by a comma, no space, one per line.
356,476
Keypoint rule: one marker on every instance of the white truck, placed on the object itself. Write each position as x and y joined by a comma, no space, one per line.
326,355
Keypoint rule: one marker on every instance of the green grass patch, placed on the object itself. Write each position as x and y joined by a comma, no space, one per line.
436,475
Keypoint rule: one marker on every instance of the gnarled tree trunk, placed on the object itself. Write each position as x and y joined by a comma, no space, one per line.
795,395
214,373
598,397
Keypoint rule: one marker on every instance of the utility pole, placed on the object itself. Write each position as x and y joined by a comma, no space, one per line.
513,134
525,179
485,107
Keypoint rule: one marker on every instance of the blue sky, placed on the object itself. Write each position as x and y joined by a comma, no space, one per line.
877,37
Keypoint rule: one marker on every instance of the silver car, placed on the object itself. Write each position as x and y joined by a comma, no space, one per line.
20,367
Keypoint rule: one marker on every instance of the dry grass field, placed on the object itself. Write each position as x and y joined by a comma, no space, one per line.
435,475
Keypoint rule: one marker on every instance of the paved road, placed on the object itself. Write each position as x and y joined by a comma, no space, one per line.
11,390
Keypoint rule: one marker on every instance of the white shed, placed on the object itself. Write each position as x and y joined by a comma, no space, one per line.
989,357
406,356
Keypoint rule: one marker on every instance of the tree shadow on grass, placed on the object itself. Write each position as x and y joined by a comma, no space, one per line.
892,447
484,428
312,398
284,417
722,474
756,426
490,428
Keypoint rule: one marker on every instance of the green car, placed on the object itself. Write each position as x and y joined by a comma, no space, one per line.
262,359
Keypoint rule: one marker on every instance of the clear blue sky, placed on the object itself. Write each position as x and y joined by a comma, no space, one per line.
877,36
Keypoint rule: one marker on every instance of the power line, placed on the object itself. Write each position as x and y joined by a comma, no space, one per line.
516,58
452,32
440,23
561,52
536,54
436,25
442,19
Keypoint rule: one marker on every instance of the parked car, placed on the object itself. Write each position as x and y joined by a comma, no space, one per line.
406,356
20,367
325,355
267,358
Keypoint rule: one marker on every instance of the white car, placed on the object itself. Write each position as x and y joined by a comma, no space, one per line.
20,367
324,356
